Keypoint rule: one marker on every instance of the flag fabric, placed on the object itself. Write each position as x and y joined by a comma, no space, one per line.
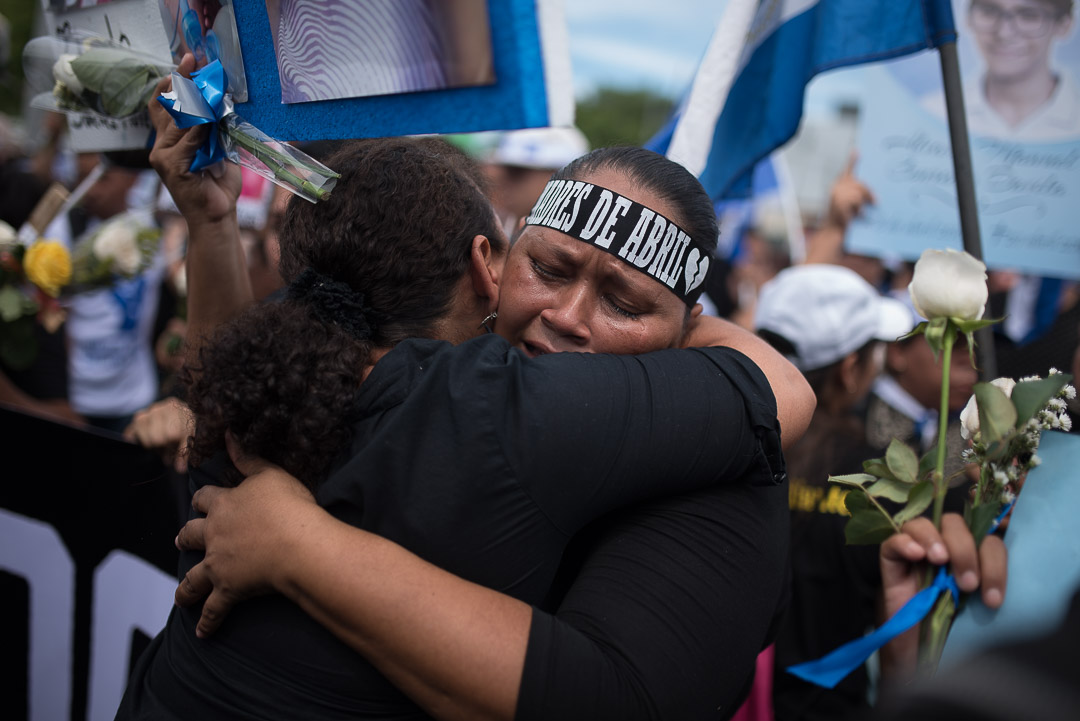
747,96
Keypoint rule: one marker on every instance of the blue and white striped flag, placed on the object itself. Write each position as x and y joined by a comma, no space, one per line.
747,96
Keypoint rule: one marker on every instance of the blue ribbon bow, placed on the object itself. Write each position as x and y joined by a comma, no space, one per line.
834,667
200,101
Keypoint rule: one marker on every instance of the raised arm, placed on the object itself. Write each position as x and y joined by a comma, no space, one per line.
217,277
795,400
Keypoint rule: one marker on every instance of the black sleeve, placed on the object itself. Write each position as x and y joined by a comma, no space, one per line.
667,614
586,434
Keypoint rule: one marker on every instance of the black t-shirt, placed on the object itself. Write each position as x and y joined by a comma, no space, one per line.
485,463
834,585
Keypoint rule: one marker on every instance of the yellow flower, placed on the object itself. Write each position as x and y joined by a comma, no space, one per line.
48,266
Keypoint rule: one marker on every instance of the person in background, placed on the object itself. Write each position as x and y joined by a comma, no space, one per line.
111,365
521,165
905,401
833,325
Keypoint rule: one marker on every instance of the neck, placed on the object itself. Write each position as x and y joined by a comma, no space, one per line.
1016,98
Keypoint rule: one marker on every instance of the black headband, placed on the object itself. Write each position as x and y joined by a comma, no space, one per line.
642,238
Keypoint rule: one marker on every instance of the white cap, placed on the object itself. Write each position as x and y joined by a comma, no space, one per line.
540,148
827,312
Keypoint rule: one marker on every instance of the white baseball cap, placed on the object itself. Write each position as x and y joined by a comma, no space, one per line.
827,312
540,148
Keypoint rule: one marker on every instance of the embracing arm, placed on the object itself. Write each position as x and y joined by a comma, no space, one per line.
217,277
795,400
454,647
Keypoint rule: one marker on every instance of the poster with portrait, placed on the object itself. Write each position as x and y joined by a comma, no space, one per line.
1019,62
329,49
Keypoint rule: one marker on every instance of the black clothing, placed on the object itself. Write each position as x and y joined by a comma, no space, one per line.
484,463
665,618
834,585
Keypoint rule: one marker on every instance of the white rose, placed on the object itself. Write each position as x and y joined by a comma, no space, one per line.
117,241
65,75
8,236
949,283
969,417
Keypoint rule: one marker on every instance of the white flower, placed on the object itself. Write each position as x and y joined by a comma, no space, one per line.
8,236
117,241
64,74
969,417
949,283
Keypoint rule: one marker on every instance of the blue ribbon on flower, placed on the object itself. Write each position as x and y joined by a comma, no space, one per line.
200,101
834,667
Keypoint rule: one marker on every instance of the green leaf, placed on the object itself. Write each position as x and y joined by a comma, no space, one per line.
855,479
1030,397
917,330
11,303
902,461
970,326
935,334
896,491
997,416
928,462
18,344
126,89
867,526
877,467
980,518
922,494
855,501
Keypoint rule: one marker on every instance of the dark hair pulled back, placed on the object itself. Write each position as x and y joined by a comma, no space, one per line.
672,182
397,231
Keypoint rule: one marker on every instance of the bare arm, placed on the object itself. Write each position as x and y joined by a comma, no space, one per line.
795,400
454,647
218,284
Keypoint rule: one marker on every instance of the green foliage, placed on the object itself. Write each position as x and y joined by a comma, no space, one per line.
918,500
18,344
20,16
899,478
980,518
614,116
1029,397
867,527
902,461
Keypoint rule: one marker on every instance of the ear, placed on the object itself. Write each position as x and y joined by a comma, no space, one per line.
849,373
485,270
696,310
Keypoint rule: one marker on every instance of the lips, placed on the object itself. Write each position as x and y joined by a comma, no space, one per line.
535,349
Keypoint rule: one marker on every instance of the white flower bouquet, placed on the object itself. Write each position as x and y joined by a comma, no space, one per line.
121,247
1003,421
87,74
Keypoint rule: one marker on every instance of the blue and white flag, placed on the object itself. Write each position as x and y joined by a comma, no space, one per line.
747,97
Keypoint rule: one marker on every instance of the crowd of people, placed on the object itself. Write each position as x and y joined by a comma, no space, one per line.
411,501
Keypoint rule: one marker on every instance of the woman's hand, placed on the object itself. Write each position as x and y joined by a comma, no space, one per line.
248,534
904,560
204,196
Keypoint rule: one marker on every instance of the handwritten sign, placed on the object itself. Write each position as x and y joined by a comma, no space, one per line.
1027,193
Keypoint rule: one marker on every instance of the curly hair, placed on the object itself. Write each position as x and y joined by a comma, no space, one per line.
397,231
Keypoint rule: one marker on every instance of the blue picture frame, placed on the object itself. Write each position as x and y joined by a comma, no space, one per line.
517,99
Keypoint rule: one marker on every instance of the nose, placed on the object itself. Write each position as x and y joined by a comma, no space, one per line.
569,317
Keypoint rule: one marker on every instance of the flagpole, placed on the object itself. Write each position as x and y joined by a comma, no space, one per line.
965,188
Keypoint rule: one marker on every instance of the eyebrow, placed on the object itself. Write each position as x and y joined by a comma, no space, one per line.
618,274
